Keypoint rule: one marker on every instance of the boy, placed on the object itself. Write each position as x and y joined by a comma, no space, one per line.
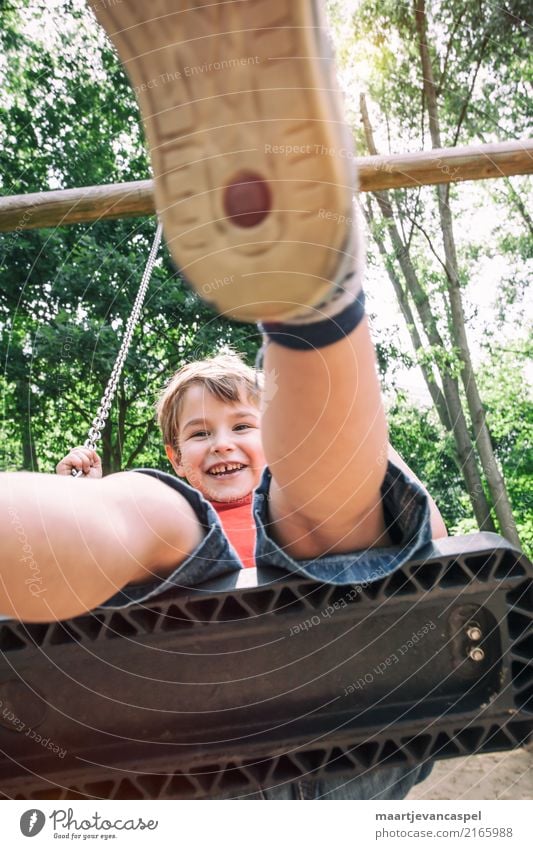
240,202
210,422
209,416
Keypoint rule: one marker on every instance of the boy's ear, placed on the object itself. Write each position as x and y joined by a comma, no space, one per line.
174,458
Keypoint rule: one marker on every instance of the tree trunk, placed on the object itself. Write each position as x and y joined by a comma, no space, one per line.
30,462
118,444
451,411
141,444
492,472
107,451
452,416
402,297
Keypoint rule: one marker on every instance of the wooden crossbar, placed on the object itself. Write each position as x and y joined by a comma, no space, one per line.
410,170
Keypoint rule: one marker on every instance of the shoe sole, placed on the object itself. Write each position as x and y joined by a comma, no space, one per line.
253,173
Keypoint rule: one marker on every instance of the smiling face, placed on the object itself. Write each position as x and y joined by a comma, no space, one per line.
220,450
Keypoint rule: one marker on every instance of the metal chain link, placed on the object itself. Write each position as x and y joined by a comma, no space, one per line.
99,420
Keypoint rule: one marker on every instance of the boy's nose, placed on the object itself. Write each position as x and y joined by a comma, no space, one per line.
222,442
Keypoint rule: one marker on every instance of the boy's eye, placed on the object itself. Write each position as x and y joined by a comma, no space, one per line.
239,426
199,433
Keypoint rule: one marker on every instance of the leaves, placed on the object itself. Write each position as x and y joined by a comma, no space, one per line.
66,294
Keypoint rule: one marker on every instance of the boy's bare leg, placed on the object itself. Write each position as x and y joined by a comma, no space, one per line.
325,440
66,547
269,210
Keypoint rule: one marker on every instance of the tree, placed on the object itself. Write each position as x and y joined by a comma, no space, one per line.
430,89
447,400
482,435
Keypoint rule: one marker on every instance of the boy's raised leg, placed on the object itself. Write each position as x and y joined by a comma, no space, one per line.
254,176
325,440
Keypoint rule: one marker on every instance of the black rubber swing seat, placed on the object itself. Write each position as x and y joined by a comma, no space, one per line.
262,678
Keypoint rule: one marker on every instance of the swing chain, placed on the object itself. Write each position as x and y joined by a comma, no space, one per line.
99,420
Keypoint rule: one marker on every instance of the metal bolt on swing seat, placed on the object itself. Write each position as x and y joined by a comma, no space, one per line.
476,654
474,633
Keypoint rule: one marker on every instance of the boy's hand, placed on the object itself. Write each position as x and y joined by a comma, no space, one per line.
84,459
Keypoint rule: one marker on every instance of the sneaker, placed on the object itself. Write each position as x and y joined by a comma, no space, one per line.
253,166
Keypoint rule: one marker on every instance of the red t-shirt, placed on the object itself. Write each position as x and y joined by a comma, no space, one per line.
238,522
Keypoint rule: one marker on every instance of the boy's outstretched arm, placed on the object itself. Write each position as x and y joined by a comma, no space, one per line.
67,546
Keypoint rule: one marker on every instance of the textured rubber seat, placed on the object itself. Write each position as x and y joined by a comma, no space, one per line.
263,678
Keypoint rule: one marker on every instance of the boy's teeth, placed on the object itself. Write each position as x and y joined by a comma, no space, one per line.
228,467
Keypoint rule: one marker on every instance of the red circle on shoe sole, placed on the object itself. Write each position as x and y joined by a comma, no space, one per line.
247,200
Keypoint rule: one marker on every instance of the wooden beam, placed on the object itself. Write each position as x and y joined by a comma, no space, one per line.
125,200
448,165
72,206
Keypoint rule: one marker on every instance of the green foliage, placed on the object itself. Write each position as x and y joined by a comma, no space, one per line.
509,407
481,60
482,55
65,294
422,442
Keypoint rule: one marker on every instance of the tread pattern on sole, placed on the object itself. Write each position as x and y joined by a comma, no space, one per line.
233,87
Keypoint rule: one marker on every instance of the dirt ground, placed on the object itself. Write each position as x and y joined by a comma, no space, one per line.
506,775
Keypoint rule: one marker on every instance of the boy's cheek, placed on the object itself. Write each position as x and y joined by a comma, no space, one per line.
188,471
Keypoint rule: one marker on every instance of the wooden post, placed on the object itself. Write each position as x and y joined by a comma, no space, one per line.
126,200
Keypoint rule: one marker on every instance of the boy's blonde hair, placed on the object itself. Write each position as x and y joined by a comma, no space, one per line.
225,376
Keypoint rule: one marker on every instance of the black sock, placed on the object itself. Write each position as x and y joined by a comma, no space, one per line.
318,334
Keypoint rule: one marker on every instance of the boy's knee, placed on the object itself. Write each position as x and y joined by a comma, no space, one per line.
317,532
